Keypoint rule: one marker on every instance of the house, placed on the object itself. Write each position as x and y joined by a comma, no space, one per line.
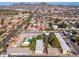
55,27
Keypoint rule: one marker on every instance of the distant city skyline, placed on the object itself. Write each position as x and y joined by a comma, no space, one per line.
51,3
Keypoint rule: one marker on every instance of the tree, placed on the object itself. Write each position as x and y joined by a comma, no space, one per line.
54,41
63,25
77,39
33,44
77,25
46,44
40,37
57,20
2,21
74,32
14,34
50,24
1,32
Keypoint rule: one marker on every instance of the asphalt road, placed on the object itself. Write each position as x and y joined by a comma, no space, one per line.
8,38
75,47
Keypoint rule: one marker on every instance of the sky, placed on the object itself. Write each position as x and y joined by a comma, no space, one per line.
55,3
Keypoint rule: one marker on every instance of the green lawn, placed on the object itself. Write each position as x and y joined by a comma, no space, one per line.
54,41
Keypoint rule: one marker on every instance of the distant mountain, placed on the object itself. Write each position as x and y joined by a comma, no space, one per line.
40,5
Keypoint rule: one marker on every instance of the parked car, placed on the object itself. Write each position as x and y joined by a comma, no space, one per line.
73,40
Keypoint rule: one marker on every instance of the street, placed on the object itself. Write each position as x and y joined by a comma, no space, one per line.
74,46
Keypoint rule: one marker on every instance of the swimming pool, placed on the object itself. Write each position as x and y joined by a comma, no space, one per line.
27,40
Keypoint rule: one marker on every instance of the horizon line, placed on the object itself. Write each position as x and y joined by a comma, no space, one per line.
49,3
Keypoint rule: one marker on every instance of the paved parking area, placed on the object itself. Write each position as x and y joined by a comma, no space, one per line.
19,51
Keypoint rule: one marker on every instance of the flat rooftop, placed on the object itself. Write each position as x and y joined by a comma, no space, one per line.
19,51
39,46
62,42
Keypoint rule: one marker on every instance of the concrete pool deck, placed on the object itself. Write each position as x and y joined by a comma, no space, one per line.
25,35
